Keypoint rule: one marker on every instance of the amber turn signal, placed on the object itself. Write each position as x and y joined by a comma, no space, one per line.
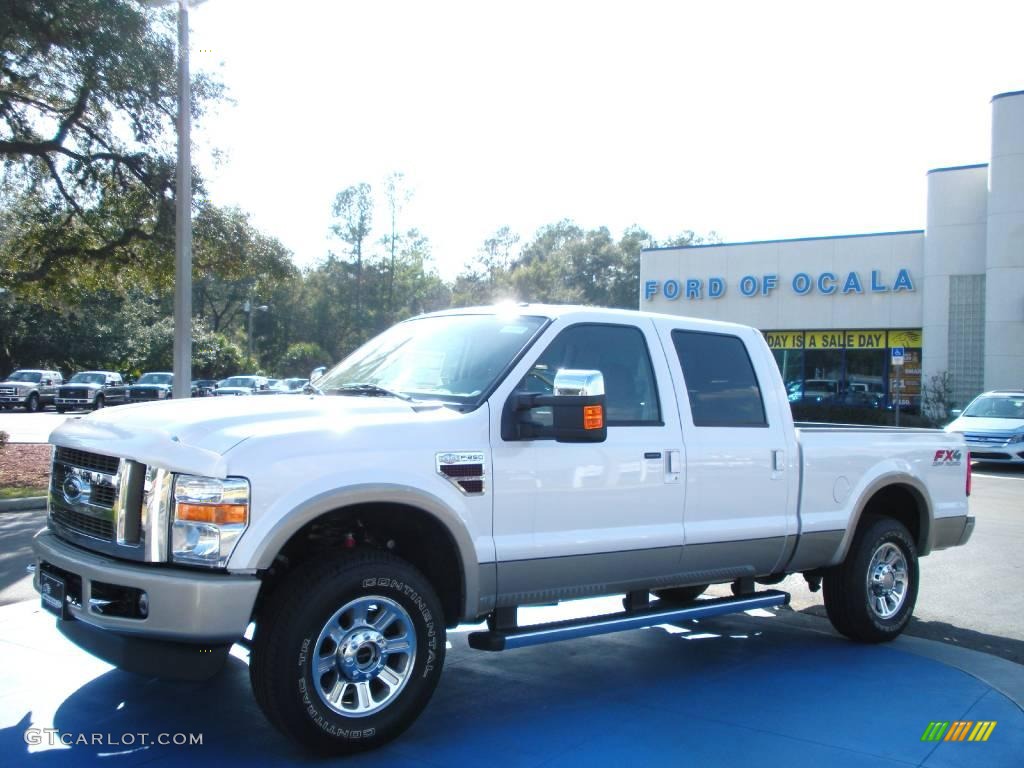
218,514
593,417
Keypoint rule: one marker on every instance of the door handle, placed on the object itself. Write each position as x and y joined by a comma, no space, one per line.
778,461
675,462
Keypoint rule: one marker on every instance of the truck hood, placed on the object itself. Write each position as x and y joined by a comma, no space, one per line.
193,435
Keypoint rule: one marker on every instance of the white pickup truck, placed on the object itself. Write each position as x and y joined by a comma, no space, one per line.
456,467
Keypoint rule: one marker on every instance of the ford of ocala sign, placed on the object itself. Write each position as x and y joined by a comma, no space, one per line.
801,284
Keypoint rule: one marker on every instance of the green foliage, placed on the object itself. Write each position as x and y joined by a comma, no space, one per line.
87,108
301,358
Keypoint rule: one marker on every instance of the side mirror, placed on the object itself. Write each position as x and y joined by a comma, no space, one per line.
48,382
317,372
577,410
956,412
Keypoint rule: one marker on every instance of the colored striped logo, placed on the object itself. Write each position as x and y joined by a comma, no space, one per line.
959,730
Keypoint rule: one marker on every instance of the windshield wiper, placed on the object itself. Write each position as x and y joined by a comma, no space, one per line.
369,390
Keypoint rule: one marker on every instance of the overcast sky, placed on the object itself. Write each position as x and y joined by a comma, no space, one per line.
758,120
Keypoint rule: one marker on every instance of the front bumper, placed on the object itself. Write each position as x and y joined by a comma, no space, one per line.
1005,453
17,399
185,606
72,401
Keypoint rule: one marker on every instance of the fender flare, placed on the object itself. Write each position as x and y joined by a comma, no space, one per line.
925,511
381,493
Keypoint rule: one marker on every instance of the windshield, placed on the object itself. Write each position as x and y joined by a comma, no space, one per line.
997,407
156,378
88,378
454,358
239,381
34,377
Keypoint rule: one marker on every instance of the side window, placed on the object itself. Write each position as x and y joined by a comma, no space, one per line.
720,380
617,351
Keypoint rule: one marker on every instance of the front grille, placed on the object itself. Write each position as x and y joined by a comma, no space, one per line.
94,461
144,394
7,391
990,439
78,393
86,525
103,496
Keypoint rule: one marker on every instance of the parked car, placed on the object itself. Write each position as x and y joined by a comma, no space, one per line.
203,387
993,426
284,387
425,489
151,386
816,391
91,389
241,385
32,389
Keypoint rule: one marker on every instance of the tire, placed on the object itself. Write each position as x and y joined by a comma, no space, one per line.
864,598
32,404
60,408
97,403
681,594
293,629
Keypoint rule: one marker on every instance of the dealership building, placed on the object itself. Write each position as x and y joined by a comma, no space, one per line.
833,309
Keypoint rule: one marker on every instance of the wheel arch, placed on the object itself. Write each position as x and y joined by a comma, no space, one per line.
898,496
423,530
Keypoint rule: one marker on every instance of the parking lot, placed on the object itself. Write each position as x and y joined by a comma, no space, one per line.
777,684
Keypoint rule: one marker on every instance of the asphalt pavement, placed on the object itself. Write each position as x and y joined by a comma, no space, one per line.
32,427
771,687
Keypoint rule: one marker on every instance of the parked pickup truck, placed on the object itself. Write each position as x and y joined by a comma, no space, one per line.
92,390
456,467
31,389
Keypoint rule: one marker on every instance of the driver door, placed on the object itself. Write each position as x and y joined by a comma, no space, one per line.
572,519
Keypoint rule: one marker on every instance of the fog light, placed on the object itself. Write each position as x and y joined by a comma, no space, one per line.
143,605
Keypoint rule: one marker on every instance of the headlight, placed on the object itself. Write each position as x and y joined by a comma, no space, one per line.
210,515
1018,438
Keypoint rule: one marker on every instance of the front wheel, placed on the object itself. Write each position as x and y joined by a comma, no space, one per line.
60,408
871,595
98,403
32,404
348,652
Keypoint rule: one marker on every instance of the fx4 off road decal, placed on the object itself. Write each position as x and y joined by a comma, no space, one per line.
945,457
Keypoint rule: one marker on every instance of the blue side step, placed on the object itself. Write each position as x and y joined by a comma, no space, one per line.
521,637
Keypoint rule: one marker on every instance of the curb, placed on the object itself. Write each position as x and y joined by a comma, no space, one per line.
26,504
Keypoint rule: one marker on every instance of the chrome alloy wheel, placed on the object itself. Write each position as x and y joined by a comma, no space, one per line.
888,581
364,656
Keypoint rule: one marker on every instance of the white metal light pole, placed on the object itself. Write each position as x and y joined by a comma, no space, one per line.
183,219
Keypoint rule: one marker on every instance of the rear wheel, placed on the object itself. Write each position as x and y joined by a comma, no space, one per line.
870,597
681,594
348,652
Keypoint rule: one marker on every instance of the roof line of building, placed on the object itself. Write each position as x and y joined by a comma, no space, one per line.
957,168
785,240
1007,95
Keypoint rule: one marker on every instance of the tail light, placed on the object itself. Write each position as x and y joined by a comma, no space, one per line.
968,473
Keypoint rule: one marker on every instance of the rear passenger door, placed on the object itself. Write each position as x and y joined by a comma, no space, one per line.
739,517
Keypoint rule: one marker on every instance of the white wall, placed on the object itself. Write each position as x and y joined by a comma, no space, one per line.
954,244
1004,281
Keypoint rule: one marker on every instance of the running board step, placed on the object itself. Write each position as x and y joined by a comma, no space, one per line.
521,637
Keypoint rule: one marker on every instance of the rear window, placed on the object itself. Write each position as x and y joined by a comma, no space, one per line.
720,380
